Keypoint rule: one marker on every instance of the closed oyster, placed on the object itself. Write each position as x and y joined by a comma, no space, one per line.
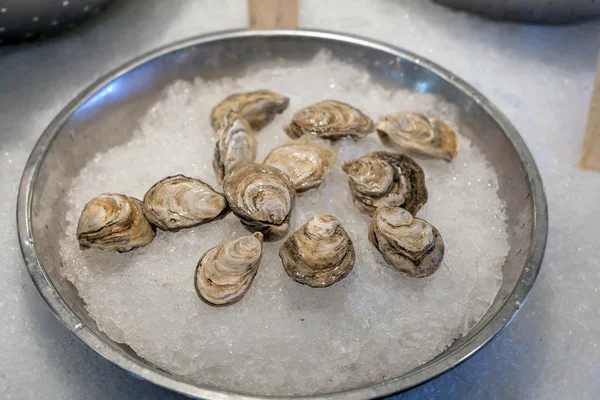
114,222
386,178
418,133
178,202
225,272
304,161
410,245
258,108
318,254
263,197
236,145
330,120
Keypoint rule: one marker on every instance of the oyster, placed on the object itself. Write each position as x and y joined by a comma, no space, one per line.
258,108
386,178
331,120
178,202
236,145
318,254
304,161
225,272
263,197
418,133
410,245
113,222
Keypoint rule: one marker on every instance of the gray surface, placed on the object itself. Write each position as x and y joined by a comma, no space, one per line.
540,77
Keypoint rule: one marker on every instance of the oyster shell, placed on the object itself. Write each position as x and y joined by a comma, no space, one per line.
113,221
258,108
318,254
330,120
263,197
236,145
410,245
178,202
225,272
304,161
386,178
418,133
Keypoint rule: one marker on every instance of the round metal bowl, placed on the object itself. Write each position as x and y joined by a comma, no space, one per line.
89,124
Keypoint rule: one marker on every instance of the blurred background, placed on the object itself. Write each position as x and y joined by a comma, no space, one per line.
31,19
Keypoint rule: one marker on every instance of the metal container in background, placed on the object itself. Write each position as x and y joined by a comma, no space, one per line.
538,11
25,19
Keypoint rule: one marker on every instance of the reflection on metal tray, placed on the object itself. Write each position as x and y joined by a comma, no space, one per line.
125,94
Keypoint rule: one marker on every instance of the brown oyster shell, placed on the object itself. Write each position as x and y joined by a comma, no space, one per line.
386,178
236,145
179,202
330,119
263,197
305,162
318,254
258,108
226,272
410,245
114,221
419,134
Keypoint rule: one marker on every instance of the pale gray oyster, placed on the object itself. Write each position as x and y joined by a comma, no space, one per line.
226,272
305,162
318,254
114,221
410,245
331,120
258,108
382,178
179,202
419,134
236,145
263,197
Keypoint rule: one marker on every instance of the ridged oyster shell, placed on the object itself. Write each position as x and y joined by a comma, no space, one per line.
410,245
419,134
258,108
263,197
318,254
113,221
236,145
225,272
178,202
330,120
306,162
386,178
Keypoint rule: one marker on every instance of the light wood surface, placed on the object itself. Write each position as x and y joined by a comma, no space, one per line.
273,14
590,156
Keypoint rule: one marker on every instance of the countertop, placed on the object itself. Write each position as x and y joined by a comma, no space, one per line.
539,76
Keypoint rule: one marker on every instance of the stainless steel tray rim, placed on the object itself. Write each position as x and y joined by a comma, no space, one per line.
416,377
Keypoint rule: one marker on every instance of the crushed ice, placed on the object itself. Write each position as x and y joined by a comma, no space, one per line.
285,338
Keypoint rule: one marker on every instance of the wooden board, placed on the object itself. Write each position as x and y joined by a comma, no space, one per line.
273,14
590,156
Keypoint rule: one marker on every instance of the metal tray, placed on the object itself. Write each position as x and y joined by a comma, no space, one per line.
86,126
